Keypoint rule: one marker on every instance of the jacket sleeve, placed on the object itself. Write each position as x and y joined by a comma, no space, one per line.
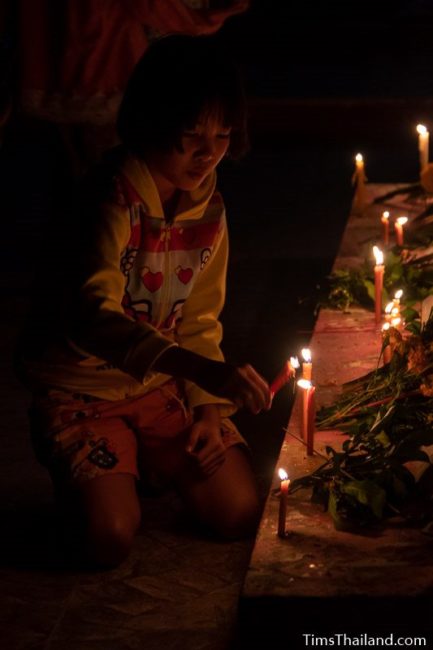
200,330
94,319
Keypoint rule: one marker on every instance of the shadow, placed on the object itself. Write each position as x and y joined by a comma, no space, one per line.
32,540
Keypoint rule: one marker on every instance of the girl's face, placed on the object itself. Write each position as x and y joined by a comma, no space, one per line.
203,146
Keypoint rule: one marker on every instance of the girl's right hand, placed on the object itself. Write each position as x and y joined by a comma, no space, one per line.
240,384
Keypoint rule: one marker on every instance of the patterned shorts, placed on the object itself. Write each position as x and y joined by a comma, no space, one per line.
78,437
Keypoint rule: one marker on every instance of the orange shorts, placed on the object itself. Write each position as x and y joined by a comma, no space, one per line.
79,437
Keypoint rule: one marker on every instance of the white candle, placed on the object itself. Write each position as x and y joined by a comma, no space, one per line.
423,144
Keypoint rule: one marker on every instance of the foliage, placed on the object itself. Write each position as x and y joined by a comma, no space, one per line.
356,286
387,419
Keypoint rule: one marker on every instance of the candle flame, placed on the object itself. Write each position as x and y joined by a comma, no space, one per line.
385,327
395,322
378,255
294,362
389,308
359,157
422,130
395,311
398,294
385,215
283,474
306,354
402,220
304,383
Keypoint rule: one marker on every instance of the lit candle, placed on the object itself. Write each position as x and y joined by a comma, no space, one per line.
307,365
423,142
284,376
308,414
388,311
358,179
397,323
387,354
385,221
396,300
378,283
284,491
398,225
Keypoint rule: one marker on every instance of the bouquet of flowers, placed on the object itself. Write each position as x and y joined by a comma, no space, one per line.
383,468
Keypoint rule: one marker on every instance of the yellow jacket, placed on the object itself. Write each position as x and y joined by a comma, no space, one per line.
135,286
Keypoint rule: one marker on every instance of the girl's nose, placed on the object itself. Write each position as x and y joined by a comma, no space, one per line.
206,151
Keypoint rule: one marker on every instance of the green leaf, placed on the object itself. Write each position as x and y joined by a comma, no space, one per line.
367,493
383,439
371,291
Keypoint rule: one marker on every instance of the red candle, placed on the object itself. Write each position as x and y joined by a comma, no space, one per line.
385,221
307,365
358,180
308,414
398,225
284,491
284,376
378,283
387,354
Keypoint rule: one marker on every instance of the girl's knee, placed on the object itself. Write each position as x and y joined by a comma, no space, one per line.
109,540
240,519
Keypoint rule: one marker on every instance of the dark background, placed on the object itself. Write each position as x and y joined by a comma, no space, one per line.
324,80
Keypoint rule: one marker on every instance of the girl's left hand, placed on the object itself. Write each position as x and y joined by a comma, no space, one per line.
206,446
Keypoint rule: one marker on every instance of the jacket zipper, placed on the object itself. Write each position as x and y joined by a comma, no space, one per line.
166,278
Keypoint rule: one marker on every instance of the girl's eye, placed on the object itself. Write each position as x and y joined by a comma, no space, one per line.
224,136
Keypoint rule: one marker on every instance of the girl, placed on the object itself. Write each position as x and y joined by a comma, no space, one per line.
124,361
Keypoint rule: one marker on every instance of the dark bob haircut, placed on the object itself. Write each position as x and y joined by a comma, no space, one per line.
178,80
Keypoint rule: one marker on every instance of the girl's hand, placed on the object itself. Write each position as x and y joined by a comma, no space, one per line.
246,388
205,443
240,384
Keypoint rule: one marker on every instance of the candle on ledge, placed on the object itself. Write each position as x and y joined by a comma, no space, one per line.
398,225
387,354
378,283
284,491
308,414
423,143
396,300
397,323
385,221
307,365
388,311
284,376
358,179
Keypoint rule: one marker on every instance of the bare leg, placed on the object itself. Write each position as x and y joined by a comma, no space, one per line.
112,515
227,501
